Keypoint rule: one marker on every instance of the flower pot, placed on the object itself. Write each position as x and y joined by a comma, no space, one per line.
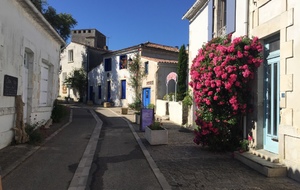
124,110
156,137
106,104
137,118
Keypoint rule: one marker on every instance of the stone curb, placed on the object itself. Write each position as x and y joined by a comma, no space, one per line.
158,174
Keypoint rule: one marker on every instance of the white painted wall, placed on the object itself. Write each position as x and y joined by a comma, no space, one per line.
198,36
98,76
18,31
161,107
79,61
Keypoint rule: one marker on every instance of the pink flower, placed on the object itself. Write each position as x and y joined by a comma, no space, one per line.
246,73
218,83
224,76
250,138
228,85
246,47
239,54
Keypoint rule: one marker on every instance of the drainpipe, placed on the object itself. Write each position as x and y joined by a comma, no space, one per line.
246,17
246,33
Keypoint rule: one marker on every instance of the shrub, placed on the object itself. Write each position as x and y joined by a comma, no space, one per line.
151,106
59,111
35,137
220,76
170,95
188,99
136,105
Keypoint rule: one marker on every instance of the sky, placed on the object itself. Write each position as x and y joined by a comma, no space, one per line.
126,23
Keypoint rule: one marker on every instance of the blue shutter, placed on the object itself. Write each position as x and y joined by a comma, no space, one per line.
210,19
99,92
230,16
123,90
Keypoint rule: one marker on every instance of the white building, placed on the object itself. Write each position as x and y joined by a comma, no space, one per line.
109,81
275,123
29,65
84,51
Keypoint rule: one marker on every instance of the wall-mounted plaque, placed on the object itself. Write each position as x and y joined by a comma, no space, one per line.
10,87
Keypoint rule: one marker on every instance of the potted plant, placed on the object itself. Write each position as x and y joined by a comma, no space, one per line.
156,134
136,106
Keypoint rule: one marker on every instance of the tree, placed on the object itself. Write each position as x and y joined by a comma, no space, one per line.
61,22
77,79
136,78
182,73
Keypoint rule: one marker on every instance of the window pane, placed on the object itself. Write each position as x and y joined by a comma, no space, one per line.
123,62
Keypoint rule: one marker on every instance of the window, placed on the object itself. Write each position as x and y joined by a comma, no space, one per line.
70,56
222,13
123,89
99,92
146,67
123,62
107,64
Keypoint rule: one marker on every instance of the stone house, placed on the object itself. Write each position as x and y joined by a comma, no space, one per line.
84,51
275,122
29,65
109,82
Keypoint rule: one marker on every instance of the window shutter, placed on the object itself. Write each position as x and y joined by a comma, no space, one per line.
99,92
230,16
210,19
123,95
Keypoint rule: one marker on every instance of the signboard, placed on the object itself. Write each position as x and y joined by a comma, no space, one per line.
10,87
147,118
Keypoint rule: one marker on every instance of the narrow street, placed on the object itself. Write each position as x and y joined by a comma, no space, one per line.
52,167
119,162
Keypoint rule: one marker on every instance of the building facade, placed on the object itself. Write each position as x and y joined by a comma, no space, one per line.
28,67
274,124
276,120
109,82
84,51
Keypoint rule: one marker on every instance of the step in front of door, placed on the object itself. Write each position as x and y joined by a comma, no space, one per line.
261,165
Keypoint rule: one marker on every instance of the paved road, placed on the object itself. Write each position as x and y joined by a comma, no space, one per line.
53,165
119,162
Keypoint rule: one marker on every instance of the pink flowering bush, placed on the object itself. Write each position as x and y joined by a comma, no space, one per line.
220,76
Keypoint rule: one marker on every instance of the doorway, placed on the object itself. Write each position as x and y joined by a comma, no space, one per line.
146,97
271,93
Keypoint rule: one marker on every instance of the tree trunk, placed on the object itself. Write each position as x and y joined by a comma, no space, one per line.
20,134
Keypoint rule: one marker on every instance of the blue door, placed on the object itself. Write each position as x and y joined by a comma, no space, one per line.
146,97
91,98
271,95
108,91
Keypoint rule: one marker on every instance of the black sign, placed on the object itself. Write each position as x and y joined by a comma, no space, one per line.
10,87
147,118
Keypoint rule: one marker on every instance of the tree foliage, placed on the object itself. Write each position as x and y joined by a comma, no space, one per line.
182,73
61,22
137,74
77,79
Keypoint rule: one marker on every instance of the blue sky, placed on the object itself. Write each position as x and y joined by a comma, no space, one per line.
131,22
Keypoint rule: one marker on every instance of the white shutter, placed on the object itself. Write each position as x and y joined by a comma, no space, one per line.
44,84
